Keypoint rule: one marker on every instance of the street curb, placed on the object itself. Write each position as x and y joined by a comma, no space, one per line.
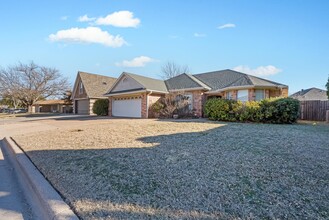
43,198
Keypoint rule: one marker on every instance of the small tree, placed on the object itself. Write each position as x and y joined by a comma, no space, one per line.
67,97
172,103
327,86
101,107
172,69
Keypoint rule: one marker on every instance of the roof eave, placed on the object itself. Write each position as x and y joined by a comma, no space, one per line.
246,87
188,89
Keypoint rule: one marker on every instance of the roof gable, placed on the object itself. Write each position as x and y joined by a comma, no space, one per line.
125,82
136,82
95,85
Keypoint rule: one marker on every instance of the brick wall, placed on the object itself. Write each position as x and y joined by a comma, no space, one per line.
91,105
151,100
284,92
144,105
110,106
197,103
267,93
251,95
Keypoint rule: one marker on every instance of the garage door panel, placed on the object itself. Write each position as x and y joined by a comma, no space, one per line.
83,106
127,108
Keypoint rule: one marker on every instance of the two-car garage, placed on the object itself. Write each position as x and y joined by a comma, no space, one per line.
127,107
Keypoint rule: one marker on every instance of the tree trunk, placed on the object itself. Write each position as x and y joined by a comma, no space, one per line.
30,108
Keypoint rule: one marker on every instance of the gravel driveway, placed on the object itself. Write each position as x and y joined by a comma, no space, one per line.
130,169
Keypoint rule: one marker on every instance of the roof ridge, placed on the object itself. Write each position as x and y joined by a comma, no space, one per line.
142,76
270,81
204,85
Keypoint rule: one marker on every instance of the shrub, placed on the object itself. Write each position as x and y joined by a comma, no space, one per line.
287,111
170,104
273,110
101,107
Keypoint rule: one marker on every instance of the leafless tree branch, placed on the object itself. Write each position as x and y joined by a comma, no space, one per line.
29,83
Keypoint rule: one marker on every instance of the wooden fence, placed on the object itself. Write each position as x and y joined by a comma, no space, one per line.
313,110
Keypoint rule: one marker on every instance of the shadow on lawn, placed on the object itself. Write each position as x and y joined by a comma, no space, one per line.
218,173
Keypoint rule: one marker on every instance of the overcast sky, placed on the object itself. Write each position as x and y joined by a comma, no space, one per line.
284,41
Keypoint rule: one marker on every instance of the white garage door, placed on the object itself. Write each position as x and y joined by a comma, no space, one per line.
83,106
127,108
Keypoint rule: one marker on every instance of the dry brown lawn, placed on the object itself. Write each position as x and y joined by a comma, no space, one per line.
132,169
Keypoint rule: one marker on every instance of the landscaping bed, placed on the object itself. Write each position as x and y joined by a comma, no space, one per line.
130,169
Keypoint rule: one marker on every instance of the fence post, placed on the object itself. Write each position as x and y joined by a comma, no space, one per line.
327,116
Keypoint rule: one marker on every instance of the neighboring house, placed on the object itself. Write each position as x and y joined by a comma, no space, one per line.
53,106
87,89
310,94
132,95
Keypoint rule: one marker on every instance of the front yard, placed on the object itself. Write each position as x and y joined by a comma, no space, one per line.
133,169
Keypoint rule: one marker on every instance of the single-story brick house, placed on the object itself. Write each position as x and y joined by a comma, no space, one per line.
310,95
132,95
87,89
53,106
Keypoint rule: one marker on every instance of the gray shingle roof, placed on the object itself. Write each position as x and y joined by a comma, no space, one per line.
96,85
149,83
184,81
229,78
310,94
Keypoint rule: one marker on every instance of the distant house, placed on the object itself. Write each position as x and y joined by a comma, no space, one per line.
132,95
310,94
87,89
53,106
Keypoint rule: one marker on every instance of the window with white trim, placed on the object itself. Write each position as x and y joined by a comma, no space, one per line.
189,97
80,88
229,95
259,94
242,95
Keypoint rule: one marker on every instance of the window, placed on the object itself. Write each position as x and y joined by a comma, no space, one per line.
259,94
189,97
229,95
81,88
243,95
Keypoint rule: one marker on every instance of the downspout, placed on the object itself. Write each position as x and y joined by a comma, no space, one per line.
147,104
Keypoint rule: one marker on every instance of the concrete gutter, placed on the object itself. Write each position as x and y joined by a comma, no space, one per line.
44,200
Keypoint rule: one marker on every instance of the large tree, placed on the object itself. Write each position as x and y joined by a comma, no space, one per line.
29,83
172,69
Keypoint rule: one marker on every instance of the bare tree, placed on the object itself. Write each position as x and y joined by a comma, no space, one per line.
29,83
172,69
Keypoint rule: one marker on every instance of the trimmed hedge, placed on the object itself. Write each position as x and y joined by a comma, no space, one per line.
273,110
101,107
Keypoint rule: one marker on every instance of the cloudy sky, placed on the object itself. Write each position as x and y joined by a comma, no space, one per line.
284,41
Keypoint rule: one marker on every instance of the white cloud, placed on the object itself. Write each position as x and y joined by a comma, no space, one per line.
64,18
88,35
85,18
119,19
259,71
136,62
229,25
199,35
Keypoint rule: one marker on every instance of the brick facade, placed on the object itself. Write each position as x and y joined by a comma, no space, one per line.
153,98
251,94
110,106
144,105
197,103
